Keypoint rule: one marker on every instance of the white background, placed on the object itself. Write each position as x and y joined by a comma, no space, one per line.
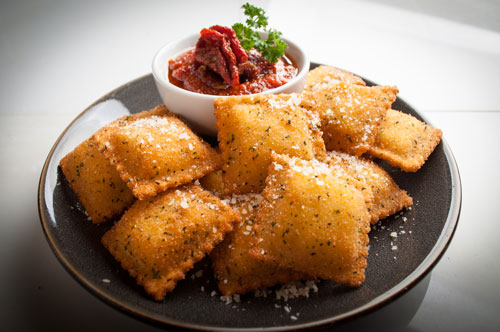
58,57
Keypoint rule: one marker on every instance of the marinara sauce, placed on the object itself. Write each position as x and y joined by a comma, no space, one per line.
218,65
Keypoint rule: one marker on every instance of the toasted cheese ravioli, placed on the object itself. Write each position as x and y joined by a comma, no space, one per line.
98,185
404,141
236,270
324,75
251,127
351,114
159,239
387,197
313,221
155,150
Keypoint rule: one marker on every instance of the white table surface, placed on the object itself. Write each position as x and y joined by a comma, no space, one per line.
57,57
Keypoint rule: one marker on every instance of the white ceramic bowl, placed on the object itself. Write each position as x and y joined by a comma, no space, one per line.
197,108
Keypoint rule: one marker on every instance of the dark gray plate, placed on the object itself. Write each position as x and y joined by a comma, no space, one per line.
424,233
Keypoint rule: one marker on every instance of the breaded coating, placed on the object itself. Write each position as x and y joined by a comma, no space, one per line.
155,150
159,239
404,141
236,271
213,183
387,197
96,182
324,75
251,127
313,221
351,114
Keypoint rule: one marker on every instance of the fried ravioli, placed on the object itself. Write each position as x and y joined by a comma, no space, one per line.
387,197
313,221
324,75
159,239
251,127
98,185
351,114
404,141
155,150
238,272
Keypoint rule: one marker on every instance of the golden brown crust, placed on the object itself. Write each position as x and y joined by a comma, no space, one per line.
313,221
159,239
324,75
155,150
404,141
251,127
213,182
386,196
238,272
350,114
313,217
96,182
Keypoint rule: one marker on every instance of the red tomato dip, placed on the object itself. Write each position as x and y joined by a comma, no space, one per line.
218,65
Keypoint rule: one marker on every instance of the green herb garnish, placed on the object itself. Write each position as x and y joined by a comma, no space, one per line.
271,48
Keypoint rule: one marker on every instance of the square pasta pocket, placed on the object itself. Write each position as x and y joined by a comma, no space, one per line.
323,75
236,270
313,221
386,196
159,239
250,128
350,114
98,185
404,141
155,150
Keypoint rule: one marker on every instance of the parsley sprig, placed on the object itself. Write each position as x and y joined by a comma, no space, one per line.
271,48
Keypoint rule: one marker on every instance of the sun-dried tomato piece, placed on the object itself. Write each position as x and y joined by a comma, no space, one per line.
213,50
238,50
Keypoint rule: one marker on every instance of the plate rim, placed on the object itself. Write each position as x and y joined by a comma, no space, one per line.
410,281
